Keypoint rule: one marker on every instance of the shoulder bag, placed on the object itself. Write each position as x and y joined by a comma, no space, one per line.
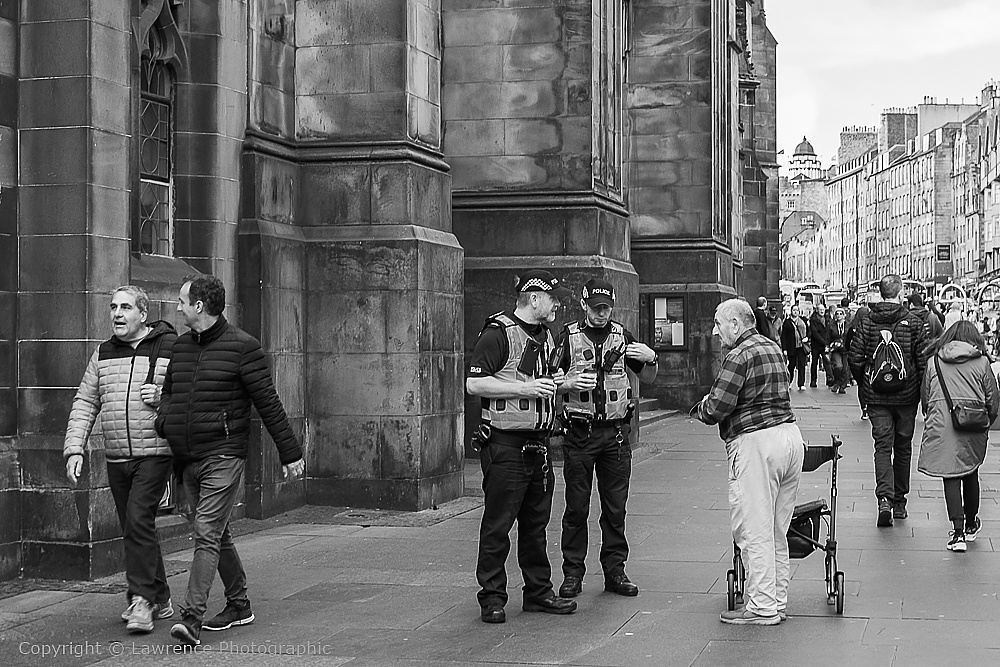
968,418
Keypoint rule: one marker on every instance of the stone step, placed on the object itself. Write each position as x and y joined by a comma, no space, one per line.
648,405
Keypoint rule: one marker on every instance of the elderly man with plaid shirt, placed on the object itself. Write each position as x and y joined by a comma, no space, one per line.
749,401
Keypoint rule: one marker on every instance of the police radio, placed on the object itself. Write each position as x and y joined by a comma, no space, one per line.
611,358
529,357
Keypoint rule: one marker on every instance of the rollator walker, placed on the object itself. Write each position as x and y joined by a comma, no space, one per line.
804,532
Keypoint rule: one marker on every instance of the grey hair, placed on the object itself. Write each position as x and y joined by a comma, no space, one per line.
139,294
737,309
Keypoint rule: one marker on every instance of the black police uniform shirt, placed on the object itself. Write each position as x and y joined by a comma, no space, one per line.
597,336
491,351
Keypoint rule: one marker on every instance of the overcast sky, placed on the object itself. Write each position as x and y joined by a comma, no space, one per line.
841,63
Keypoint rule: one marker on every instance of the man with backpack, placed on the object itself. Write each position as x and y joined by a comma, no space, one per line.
885,353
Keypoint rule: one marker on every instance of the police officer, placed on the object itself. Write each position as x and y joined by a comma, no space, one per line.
596,402
510,371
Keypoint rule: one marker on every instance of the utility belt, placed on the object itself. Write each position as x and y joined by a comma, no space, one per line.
530,442
585,423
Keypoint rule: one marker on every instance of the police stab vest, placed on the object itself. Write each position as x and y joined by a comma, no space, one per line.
516,413
613,395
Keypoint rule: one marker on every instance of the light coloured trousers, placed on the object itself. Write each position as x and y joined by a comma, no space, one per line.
764,471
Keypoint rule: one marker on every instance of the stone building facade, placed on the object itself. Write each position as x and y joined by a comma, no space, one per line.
367,177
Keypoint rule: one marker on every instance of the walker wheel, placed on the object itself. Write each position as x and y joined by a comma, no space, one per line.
731,590
840,592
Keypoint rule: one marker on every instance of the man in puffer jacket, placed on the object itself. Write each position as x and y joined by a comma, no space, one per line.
892,415
216,373
122,384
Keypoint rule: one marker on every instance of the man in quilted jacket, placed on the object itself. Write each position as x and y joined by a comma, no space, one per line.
892,415
216,373
122,384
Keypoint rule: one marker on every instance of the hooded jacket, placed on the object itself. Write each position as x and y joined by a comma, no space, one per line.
213,378
909,334
945,452
110,387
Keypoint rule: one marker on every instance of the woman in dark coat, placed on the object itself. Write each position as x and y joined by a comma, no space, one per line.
953,455
795,343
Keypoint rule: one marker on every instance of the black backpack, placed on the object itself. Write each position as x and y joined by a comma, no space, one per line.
887,373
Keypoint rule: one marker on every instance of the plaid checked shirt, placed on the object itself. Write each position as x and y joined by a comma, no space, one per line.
751,392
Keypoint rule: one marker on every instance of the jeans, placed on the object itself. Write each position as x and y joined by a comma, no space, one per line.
892,429
517,486
764,471
212,485
961,495
838,364
588,451
797,360
819,358
137,486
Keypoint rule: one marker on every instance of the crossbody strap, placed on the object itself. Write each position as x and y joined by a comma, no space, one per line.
153,354
944,385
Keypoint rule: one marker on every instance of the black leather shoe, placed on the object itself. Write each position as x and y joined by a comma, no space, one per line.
550,605
571,586
620,585
493,615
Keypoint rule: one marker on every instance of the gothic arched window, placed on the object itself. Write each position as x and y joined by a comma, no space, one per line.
155,232
159,53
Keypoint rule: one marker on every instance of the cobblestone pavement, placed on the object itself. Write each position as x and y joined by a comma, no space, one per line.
402,593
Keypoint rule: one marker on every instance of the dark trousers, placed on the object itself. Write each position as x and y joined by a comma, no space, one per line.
589,451
892,429
137,486
797,360
961,495
858,377
212,485
819,357
838,364
517,486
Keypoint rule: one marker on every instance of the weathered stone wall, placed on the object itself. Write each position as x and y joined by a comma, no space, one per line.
10,528
382,269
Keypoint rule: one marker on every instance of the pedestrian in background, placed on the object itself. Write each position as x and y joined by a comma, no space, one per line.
954,314
959,361
122,384
838,353
510,371
932,324
749,401
776,319
892,413
598,356
818,340
794,344
760,316
216,374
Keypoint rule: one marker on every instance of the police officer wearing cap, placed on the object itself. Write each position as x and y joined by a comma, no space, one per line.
510,371
597,353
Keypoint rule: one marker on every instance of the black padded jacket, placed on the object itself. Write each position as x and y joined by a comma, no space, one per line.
908,332
212,379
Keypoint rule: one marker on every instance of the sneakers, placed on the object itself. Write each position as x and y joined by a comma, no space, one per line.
972,530
884,513
864,415
161,610
747,617
234,614
899,510
187,631
140,620
957,541
783,615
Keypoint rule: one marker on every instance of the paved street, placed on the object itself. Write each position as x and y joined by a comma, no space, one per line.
404,595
